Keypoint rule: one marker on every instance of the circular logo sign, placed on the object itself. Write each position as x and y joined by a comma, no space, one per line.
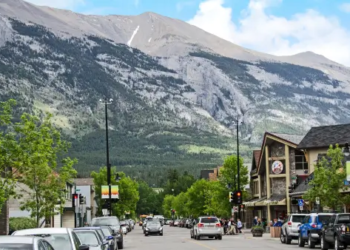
277,167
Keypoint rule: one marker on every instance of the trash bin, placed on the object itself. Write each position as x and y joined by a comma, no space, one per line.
275,232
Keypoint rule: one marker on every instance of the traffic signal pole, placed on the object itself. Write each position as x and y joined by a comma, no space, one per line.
108,165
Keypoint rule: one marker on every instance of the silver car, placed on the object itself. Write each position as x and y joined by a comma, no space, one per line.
59,238
206,226
289,230
24,243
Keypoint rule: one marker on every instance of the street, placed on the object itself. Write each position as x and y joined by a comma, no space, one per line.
179,238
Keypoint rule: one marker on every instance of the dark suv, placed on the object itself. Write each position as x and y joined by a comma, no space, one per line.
114,223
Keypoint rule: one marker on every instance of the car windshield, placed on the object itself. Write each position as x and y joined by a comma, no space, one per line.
88,237
106,232
105,222
153,223
58,241
12,246
298,218
209,220
123,223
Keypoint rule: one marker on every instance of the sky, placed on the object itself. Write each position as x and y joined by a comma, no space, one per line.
278,27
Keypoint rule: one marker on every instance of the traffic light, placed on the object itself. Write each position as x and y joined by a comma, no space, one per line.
81,199
238,196
242,207
74,199
231,196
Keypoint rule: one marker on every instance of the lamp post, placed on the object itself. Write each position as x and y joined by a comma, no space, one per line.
107,102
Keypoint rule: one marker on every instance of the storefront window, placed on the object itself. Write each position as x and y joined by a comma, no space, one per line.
300,161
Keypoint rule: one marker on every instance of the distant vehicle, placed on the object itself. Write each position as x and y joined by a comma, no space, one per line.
153,227
24,243
92,239
125,226
142,219
290,229
161,219
59,238
114,223
207,227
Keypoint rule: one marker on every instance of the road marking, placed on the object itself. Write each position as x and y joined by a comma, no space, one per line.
200,244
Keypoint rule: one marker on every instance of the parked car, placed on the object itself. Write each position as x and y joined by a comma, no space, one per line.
114,223
125,226
108,232
176,223
59,238
207,227
153,227
290,229
92,239
24,243
311,228
336,232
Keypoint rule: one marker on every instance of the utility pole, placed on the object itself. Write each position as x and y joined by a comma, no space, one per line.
238,168
106,102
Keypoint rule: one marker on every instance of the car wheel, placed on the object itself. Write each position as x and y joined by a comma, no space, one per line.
283,238
288,239
121,245
301,242
219,237
336,244
310,242
324,244
191,235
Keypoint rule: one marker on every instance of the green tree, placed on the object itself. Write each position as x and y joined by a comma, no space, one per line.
328,180
40,145
217,201
198,195
180,204
9,152
150,200
178,183
228,174
128,192
168,205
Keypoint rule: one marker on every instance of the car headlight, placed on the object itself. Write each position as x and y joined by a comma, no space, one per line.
147,229
160,228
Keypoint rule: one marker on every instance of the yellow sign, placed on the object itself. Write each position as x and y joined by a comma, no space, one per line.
114,192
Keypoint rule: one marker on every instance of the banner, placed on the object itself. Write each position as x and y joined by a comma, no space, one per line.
114,192
348,170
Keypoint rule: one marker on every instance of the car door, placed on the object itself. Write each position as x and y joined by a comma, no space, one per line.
304,226
329,229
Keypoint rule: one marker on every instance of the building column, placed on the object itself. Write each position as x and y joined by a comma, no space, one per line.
287,163
259,184
268,191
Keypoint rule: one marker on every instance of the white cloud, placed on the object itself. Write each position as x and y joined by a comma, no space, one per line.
62,4
345,7
307,31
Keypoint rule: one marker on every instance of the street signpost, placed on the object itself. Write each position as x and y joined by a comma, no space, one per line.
301,204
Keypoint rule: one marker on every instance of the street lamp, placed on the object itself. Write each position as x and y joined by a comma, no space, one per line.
106,102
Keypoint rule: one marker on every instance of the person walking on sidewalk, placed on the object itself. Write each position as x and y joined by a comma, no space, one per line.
239,226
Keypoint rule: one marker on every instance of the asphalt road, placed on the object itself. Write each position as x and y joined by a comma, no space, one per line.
179,238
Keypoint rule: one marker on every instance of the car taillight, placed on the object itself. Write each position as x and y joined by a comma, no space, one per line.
313,225
218,225
289,223
200,225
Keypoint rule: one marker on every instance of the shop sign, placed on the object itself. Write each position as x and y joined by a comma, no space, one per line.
348,170
277,167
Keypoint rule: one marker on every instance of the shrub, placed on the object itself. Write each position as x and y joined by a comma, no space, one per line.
257,229
21,223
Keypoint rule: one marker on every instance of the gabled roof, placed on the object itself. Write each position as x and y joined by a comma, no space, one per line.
256,155
323,137
84,181
290,140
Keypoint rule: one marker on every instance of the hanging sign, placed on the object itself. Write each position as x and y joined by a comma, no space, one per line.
348,170
277,167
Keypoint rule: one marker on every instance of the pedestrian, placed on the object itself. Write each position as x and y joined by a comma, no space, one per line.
239,226
259,222
225,226
255,221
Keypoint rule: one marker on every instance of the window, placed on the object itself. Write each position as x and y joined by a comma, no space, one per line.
300,161
298,218
209,220
255,187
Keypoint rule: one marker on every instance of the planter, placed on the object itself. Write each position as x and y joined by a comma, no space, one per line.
257,234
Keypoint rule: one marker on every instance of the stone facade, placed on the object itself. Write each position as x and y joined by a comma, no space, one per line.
4,220
264,187
277,149
278,186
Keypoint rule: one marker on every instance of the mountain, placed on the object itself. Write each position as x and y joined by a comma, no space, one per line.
177,89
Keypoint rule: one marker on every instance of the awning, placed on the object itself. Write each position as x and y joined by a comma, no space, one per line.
274,200
253,203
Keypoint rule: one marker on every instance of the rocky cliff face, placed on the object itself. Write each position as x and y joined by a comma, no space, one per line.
177,90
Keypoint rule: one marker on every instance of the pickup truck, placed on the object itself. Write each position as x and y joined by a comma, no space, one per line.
336,233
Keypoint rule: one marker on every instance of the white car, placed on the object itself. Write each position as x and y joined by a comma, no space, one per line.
290,229
207,226
24,243
59,238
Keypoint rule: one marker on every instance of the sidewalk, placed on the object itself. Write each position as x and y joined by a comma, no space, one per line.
247,234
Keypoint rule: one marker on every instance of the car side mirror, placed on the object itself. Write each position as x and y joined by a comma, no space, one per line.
84,247
110,237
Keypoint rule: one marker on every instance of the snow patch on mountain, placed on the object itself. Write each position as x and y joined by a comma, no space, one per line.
133,35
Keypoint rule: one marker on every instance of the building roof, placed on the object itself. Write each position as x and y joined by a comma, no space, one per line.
295,139
205,173
323,137
84,181
256,155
